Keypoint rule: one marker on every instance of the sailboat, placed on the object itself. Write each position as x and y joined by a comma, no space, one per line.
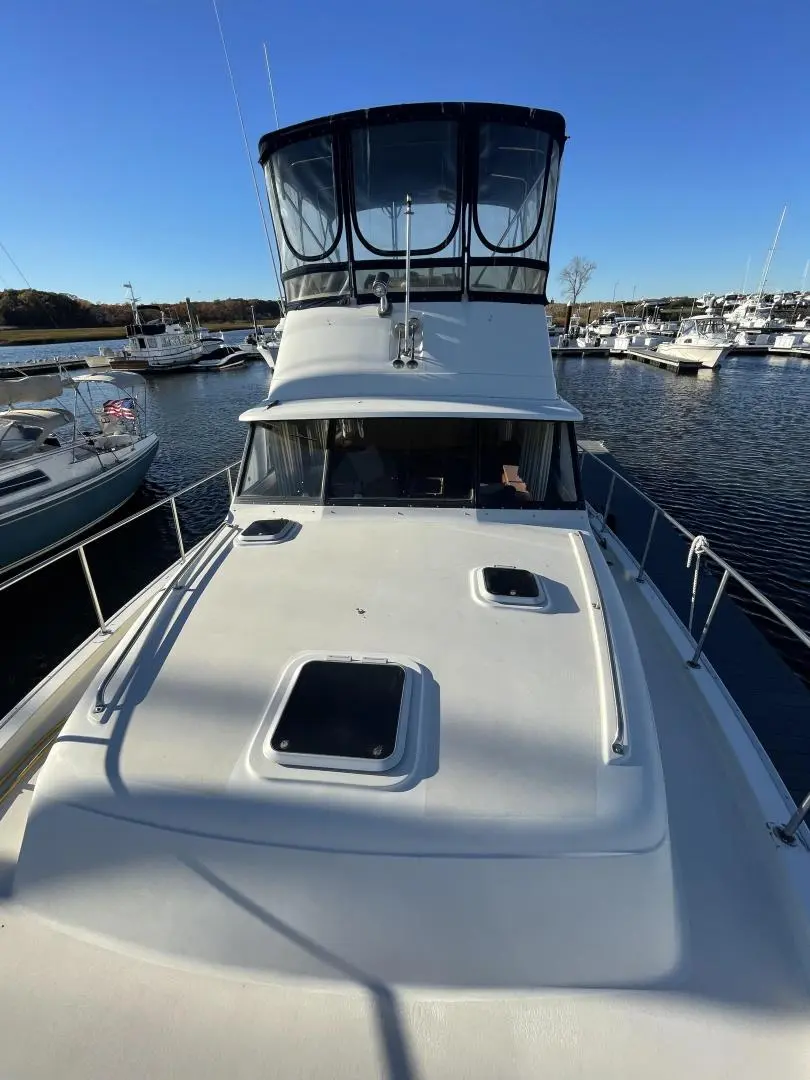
57,479
402,773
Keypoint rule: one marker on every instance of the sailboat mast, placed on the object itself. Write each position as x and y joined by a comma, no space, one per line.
767,267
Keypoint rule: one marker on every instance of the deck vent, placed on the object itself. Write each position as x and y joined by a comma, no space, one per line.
267,531
343,713
509,586
507,581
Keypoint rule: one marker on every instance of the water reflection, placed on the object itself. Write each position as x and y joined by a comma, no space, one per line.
724,452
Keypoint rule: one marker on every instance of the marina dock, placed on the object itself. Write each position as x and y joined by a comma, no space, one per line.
644,356
50,366
650,356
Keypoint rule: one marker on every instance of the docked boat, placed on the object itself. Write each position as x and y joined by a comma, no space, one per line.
398,774
268,342
794,340
159,343
228,362
701,337
55,479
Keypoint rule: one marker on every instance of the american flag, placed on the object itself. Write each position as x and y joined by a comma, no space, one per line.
122,409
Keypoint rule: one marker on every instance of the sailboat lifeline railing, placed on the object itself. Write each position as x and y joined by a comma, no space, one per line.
699,548
79,548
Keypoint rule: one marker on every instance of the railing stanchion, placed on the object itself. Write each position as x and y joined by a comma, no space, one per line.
642,564
694,662
230,482
609,499
180,543
787,833
88,577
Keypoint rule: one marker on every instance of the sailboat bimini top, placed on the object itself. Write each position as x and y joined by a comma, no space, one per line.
483,183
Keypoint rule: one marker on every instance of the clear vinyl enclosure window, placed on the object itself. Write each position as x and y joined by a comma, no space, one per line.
447,461
390,161
303,195
518,171
511,181
482,179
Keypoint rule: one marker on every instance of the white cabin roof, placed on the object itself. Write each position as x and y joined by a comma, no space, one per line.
494,408
469,356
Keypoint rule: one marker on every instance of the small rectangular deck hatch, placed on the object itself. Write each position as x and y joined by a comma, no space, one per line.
266,527
343,714
267,531
508,581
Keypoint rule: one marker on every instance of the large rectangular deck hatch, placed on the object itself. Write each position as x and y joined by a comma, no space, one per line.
343,714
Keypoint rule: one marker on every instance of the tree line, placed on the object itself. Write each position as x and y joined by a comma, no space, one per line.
32,309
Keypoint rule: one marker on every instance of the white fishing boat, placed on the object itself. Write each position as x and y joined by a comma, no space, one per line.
56,480
701,337
398,774
157,342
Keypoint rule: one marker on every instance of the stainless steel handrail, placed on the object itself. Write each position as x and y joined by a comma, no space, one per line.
774,610
100,703
786,832
118,525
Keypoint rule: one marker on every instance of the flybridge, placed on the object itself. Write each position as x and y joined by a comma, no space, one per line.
480,180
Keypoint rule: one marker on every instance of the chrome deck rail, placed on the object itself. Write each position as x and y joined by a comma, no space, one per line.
202,549
79,548
700,549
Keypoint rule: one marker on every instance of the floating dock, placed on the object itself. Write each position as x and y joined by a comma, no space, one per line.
51,366
644,356
650,356
799,354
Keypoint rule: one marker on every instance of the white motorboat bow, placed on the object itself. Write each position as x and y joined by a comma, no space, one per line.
228,362
268,342
55,480
701,337
399,775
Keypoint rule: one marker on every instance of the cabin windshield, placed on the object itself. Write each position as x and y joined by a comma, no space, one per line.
710,326
483,184
489,464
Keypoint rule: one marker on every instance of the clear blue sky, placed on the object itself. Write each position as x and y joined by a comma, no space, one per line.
121,157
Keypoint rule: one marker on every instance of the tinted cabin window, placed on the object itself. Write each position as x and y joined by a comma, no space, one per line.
401,460
20,483
525,465
286,460
441,461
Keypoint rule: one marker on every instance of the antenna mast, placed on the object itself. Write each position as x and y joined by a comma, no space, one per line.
19,271
249,158
133,302
270,83
767,268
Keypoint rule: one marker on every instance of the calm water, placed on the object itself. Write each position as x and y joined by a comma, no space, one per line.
724,452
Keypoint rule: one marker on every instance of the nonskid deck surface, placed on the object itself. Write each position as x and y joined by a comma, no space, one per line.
582,987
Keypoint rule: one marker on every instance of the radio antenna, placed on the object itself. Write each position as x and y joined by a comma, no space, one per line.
19,271
270,83
249,158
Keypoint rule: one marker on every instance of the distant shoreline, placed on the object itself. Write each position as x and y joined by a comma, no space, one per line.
91,333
